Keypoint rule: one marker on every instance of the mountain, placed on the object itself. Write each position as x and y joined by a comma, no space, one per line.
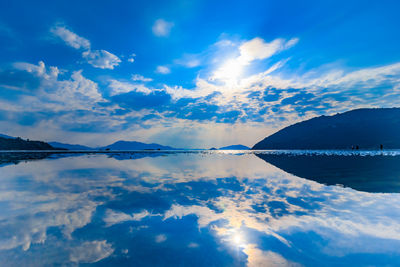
235,147
69,146
6,136
20,144
133,145
363,128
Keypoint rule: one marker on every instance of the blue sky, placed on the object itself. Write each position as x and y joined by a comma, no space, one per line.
190,73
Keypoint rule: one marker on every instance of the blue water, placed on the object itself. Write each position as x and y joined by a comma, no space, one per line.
197,209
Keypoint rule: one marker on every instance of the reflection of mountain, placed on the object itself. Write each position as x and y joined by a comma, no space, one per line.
366,128
7,158
135,155
15,158
364,173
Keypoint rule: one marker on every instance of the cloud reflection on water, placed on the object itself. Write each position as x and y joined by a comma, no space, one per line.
194,209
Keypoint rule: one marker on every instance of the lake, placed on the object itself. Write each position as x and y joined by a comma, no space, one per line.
200,208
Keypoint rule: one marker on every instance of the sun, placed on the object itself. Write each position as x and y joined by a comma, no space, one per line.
230,72
237,239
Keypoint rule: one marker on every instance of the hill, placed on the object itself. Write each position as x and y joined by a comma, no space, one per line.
7,136
133,145
20,144
363,128
69,146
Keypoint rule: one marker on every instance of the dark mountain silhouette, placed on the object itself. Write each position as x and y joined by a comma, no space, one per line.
69,146
7,136
133,145
377,173
235,147
363,128
20,144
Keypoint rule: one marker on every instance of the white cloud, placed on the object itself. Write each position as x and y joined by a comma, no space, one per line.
97,58
71,38
118,87
334,80
141,78
38,70
79,85
257,48
204,214
115,217
101,59
202,89
90,252
162,28
73,93
163,70
257,257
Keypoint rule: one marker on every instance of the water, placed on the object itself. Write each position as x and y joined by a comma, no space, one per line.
200,209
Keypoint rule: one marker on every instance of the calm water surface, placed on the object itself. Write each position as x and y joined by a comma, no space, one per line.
200,209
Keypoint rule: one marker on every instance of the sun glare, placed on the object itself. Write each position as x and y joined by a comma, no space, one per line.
238,240
230,72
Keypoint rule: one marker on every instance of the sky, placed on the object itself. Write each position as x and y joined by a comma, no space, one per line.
192,74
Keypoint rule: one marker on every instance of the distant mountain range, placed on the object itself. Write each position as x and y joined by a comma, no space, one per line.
235,147
360,128
119,145
13,143
70,147
133,145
